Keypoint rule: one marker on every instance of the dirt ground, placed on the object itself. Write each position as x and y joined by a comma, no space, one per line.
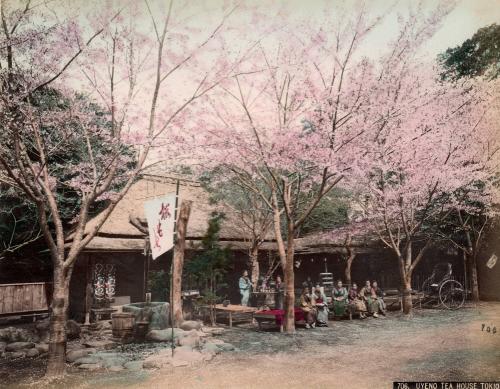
432,345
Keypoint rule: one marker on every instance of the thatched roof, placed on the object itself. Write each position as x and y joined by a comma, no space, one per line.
118,233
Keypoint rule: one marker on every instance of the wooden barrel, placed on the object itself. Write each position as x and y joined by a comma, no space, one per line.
123,325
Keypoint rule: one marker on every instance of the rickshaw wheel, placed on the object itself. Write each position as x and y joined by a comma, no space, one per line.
452,294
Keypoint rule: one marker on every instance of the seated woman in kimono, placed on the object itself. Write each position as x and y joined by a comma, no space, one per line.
339,297
307,305
321,307
377,297
365,294
356,303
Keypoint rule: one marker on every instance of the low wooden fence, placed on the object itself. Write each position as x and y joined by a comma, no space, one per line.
26,298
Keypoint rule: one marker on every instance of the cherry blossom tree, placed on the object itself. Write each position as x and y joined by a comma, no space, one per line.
290,126
434,143
122,58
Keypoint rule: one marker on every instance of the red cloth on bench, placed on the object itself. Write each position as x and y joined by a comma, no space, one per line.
279,314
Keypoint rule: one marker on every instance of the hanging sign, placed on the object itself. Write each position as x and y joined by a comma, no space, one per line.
160,216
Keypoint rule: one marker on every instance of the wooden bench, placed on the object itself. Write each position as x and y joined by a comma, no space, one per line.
234,313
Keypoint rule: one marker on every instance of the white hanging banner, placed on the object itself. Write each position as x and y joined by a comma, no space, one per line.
160,216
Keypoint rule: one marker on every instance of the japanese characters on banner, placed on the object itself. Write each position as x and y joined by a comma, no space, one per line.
160,216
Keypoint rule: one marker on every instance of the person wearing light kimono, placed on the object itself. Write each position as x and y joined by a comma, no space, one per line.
245,286
321,307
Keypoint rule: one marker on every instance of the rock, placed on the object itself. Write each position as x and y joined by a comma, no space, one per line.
179,363
32,353
13,335
3,345
72,329
226,346
211,348
157,313
157,361
42,348
189,325
16,346
192,340
217,341
73,355
18,354
111,359
42,328
7,355
100,344
90,366
213,330
133,365
87,360
116,368
165,335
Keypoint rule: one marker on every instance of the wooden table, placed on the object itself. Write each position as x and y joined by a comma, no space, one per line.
235,313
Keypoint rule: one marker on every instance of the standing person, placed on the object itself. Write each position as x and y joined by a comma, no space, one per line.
307,304
308,283
245,285
377,296
339,299
356,304
279,293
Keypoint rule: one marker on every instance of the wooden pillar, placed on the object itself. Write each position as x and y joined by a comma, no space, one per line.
88,288
178,262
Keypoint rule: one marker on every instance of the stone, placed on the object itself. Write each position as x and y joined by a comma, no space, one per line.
7,355
73,355
16,346
87,360
42,348
18,354
42,328
213,330
133,365
90,366
179,363
32,353
192,340
157,313
116,368
226,346
157,361
165,335
13,335
100,344
111,359
211,348
189,325
73,329
3,345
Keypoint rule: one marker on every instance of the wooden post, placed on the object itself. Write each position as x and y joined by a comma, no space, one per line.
178,262
88,289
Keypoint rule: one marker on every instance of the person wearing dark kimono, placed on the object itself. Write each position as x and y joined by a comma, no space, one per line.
356,303
339,298
321,307
307,305
279,293
377,296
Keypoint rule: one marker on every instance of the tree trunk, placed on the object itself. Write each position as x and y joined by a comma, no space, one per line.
254,264
290,282
56,364
473,277
350,260
407,301
178,263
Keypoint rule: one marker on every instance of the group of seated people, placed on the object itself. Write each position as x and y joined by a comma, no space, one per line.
367,301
